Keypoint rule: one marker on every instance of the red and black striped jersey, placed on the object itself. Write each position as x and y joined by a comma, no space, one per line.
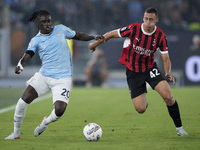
139,47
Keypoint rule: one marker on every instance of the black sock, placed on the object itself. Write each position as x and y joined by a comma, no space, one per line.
175,115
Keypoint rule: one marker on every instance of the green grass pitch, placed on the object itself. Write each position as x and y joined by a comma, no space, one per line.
123,128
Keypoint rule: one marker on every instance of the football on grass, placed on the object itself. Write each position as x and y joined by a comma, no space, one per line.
92,132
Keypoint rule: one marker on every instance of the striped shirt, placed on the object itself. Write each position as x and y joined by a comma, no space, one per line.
139,47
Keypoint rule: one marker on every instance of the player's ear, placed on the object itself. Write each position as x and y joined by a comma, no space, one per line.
157,19
37,22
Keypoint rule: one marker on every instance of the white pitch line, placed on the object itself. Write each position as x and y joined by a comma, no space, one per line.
48,95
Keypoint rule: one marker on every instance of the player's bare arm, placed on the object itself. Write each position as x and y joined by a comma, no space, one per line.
86,37
107,36
22,62
167,67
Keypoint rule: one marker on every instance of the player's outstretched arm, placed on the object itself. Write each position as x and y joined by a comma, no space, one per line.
22,62
86,37
107,36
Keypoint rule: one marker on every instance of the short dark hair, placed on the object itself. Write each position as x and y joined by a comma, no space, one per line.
35,14
152,10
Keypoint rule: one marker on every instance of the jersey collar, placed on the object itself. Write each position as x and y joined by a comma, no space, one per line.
146,32
46,34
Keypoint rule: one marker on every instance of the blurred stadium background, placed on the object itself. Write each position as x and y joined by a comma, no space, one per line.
179,19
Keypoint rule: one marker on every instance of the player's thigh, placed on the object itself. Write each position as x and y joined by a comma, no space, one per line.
39,83
61,89
136,83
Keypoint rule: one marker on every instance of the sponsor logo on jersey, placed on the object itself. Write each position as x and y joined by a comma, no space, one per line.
137,39
142,51
58,33
154,42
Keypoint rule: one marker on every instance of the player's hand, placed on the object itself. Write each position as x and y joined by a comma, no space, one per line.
91,47
170,77
18,70
99,37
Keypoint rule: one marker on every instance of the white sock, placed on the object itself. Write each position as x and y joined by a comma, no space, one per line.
20,111
51,118
178,128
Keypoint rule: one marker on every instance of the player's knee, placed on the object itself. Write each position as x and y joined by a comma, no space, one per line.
59,112
60,108
140,109
28,98
29,94
169,100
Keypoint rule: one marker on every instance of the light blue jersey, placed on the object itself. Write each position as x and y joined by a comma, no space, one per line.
54,52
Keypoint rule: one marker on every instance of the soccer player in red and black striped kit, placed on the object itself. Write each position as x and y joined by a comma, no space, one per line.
142,40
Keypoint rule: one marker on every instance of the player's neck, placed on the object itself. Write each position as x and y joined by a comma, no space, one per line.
148,32
46,33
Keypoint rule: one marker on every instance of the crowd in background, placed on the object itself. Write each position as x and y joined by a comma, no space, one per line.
103,14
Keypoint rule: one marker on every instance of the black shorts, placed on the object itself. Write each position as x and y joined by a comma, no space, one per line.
137,81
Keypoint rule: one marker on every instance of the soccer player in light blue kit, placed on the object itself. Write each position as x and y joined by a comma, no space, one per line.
56,71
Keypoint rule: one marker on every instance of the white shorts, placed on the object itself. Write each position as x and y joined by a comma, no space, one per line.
60,88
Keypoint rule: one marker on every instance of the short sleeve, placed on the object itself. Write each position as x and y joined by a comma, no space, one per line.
126,31
33,45
163,45
69,33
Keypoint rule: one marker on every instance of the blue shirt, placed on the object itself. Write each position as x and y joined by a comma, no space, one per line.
54,52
